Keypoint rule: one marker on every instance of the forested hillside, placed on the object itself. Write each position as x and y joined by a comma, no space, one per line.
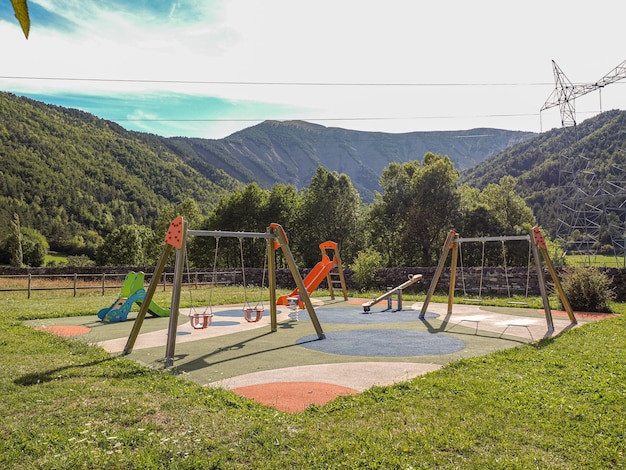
73,176
290,152
599,141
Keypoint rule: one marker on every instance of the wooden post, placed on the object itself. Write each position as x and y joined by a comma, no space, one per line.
542,285
154,282
172,239
279,232
442,261
541,244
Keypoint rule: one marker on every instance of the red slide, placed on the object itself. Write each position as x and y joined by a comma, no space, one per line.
312,280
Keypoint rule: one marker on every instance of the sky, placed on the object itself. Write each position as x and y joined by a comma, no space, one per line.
208,68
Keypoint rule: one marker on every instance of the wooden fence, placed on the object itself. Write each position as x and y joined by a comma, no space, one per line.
76,281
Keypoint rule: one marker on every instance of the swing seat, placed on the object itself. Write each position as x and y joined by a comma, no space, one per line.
199,321
253,314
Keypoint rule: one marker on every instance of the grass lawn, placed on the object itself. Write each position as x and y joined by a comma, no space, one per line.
598,260
558,403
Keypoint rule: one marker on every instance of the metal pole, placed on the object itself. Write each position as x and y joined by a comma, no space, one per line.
271,272
453,264
179,267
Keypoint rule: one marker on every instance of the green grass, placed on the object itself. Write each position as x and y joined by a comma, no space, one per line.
555,404
598,260
58,259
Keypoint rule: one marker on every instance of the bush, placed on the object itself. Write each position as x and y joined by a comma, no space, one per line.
34,247
587,289
365,266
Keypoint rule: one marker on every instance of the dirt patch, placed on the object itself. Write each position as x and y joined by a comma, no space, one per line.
582,315
293,397
66,330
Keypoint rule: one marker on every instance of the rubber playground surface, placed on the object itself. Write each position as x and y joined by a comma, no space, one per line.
292,368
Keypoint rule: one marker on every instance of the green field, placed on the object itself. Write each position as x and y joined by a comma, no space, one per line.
558,403
598,260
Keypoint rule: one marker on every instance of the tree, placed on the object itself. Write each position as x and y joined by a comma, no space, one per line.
418,207
330,210
15,243
510,209
34,247
129,245
283,206
242,211
495,211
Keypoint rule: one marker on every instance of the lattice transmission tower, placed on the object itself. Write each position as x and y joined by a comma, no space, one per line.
591,205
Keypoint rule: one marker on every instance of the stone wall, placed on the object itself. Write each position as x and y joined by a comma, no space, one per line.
495,281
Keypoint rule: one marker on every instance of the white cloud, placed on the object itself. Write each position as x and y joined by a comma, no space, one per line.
348,41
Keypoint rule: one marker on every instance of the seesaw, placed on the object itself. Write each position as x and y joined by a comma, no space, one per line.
413,278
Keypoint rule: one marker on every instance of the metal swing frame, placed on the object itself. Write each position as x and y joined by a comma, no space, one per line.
176,238
538,247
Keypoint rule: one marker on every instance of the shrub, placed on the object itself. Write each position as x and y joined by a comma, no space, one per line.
588,289
80,261
34,247
365,266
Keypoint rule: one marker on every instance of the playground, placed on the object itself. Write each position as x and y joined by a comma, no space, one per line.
291,368
306,351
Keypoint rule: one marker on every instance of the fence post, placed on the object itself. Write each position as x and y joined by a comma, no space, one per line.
103,282
75,279
29,282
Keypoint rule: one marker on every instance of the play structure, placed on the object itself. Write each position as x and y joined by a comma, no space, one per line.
176,238
413,278
537,246
132,292
328,268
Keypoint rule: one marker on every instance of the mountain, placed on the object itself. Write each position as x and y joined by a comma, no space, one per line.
596,149
75,177
67,172
290,152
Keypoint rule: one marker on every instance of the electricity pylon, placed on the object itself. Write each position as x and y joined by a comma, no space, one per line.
587,204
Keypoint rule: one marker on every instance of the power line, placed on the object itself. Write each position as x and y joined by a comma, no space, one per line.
272,83
409,118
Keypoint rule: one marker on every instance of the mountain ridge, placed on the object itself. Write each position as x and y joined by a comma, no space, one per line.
289,152
74,176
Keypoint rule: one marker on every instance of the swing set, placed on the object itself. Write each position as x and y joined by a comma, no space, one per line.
537,247
252,314
176,238
483,241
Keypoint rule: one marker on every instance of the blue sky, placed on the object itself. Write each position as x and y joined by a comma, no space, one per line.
206,68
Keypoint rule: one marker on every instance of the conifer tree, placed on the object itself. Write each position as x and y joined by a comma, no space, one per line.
15,242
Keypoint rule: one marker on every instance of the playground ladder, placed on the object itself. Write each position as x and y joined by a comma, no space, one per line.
335,278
